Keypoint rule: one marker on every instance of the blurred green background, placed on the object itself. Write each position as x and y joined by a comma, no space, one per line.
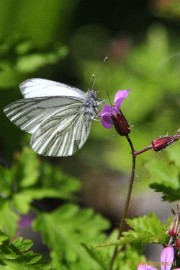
67,41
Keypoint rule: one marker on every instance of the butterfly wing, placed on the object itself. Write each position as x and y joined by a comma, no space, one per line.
62,135
57,115
29,114
60,125
33,88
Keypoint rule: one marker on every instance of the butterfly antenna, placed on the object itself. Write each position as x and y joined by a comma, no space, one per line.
105,59
93,81
94,77
107,93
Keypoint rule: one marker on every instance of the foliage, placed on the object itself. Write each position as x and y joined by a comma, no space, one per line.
125,260
24,183
152,77
64,229
76,237
53,39
64,238
166,179
16,254
146,229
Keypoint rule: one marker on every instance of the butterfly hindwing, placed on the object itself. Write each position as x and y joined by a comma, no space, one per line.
29,114
62,136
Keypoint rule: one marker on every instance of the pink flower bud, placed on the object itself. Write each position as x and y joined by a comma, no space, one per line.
177,244
162,143
175,224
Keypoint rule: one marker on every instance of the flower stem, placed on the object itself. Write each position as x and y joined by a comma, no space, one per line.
126,206
142,151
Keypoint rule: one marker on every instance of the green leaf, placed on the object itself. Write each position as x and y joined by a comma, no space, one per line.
169,194
26,169
24,245
127,259
146,229
33,62
65,230
8,217
3,237
174,153
166,177
28,179
16,255
100,257
103,253
54,180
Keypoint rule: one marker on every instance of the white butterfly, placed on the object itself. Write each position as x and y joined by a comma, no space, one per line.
57,115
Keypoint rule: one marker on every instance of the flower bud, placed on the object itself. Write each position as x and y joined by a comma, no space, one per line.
175,224
177,244
162,143
120,123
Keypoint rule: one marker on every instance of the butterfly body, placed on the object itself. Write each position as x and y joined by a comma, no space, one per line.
57,115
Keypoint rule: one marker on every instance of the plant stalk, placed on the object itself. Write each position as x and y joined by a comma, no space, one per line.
126,206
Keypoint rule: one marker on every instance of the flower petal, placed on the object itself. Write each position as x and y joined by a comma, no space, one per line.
107,109
167,258
106,120
119,97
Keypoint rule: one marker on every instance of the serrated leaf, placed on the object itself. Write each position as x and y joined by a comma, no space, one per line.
28,180
126,259
16,255
53,178
174,154
26,169
166,178
3,237
38,60
65,230
100,257
24,173
169,194
103,253
5,182
23,244
22,200
146,229
8,218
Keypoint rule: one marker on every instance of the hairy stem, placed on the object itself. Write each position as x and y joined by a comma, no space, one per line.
126,206
142,151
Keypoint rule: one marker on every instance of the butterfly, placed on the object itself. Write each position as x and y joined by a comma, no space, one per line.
57,115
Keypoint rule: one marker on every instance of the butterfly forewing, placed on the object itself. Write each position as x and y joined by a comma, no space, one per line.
57,115
33,88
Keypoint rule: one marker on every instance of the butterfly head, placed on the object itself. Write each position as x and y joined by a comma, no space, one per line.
92,102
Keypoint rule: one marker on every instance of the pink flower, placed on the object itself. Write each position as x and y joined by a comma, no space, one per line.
167,258
113,116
